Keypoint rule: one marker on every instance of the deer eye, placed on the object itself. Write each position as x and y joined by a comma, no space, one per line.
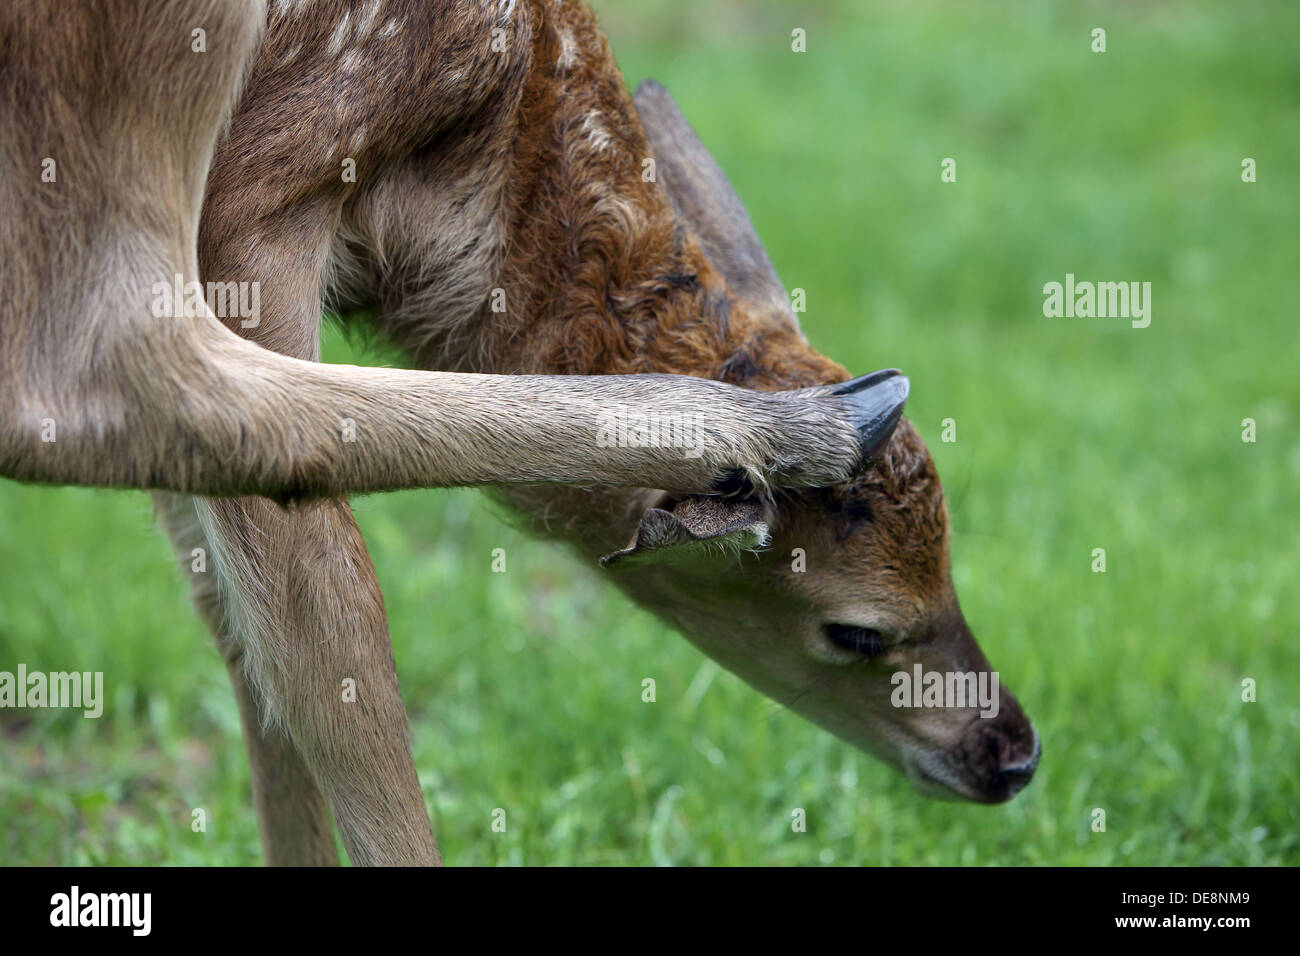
866,641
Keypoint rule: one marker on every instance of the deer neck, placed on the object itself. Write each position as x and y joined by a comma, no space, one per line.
599,275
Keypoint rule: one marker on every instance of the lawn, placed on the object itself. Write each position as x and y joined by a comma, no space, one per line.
1072,434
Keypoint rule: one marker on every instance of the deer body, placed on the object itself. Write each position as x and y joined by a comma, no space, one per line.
471,173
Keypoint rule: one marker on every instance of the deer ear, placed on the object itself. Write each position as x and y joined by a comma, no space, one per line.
693,527
705,201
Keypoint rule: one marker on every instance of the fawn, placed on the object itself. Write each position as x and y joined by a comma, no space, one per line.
473,176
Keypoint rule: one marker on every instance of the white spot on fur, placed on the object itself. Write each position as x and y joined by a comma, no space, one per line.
568,51
283,9
597,135
392,28
340,36
368,17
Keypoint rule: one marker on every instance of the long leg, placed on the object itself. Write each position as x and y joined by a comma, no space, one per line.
198,410
302,600
307,612
293,818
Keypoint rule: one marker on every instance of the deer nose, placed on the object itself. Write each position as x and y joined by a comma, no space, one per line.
1012,777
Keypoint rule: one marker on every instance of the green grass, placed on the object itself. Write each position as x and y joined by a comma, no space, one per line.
524,687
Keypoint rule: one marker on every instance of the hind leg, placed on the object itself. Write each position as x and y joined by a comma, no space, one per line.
306,611
302,600
292,816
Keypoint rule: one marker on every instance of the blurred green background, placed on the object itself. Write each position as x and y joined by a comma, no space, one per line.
1072,434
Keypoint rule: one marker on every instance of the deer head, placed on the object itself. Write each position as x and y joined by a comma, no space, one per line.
837,602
